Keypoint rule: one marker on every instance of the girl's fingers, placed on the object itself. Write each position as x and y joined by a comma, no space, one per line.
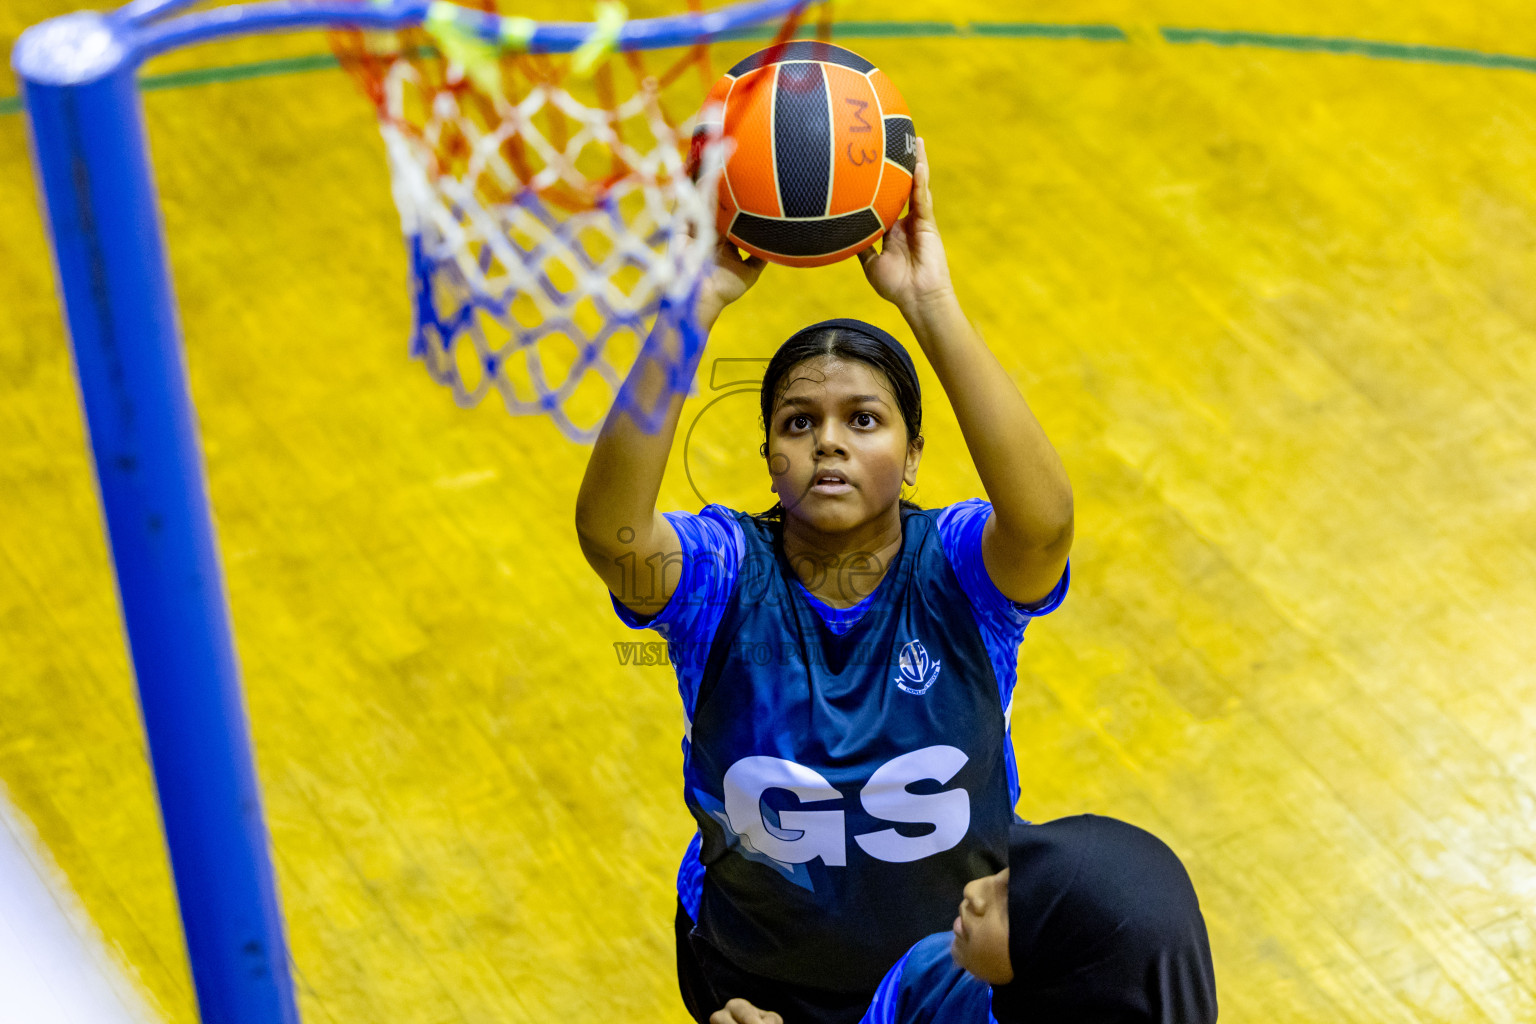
746,259
922,193
729,257
739,1011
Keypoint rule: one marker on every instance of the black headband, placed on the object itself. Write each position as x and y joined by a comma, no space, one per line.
871,332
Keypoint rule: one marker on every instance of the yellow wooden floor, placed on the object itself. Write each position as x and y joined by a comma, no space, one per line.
1275,307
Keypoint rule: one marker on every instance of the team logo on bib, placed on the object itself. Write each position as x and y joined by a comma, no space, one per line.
918,670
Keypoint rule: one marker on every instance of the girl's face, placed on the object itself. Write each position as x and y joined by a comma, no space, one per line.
837,445
981,930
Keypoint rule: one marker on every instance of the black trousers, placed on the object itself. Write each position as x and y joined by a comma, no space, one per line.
1105,928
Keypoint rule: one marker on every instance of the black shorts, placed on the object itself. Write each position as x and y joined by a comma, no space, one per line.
708,981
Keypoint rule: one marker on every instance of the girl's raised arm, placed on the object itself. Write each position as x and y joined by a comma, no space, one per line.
1026,541
622,534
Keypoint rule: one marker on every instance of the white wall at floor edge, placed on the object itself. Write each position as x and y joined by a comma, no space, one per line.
54,966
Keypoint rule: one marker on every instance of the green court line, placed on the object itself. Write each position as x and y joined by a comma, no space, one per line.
945,29
1041,30
861,30
940,30
1354,47
223,73
239,72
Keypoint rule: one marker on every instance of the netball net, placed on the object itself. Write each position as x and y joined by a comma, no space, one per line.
558,208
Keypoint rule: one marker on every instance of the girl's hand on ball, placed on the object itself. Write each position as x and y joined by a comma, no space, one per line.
910,270
727,281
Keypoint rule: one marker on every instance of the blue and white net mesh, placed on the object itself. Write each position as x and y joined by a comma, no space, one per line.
554,227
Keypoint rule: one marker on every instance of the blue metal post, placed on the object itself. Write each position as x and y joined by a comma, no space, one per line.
92,163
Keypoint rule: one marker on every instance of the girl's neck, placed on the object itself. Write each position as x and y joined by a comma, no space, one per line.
842,569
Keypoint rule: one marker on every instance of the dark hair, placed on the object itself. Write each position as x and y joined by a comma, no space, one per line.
842,343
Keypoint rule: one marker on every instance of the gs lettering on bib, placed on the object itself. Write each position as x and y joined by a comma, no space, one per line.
803,836
849,785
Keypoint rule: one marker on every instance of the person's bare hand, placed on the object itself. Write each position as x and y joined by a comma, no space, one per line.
739,1011
910,269
727,281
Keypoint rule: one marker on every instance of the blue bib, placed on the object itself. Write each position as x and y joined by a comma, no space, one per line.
846,786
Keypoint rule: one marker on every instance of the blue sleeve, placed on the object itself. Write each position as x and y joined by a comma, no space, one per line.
707,568
960,527
927,987
882,1008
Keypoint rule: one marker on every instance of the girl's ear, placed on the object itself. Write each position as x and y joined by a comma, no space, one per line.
773,478
914,457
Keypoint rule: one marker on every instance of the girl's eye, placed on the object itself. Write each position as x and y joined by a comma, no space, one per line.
863,419
800,422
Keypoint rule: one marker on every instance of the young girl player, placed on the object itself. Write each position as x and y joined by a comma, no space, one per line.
845,660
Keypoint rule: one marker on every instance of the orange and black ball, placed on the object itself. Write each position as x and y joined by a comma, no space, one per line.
823,153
